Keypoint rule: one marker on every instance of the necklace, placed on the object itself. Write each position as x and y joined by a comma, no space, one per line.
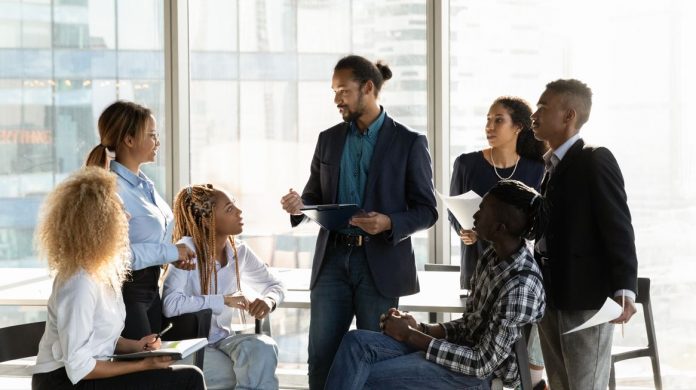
496,169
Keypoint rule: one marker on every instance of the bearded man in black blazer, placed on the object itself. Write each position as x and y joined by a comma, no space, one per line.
588,251
384,167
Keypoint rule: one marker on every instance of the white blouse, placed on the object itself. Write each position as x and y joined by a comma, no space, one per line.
182,290
85,320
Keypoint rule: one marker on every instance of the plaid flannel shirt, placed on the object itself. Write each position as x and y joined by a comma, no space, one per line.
506,295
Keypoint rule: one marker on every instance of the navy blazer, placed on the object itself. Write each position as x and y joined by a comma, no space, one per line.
590,242
399,184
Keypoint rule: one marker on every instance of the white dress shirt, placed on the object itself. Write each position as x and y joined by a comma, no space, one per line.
182,290
85,320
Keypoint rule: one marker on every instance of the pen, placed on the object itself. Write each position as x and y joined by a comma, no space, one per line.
163,331
623,306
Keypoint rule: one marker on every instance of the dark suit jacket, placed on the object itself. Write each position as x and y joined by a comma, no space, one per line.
399,184
590,241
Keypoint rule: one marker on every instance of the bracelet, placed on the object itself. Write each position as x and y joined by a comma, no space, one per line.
273,302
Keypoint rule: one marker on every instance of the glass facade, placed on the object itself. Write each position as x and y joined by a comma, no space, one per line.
260,92
636,58
62,63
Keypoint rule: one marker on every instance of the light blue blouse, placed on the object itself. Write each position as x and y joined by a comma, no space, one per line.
151,223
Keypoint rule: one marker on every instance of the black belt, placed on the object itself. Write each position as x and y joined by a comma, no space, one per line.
349,240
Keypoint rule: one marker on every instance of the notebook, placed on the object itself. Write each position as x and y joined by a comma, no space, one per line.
176,349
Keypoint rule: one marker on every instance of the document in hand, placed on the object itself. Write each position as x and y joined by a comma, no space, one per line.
176,349
331,216
609,311
463,207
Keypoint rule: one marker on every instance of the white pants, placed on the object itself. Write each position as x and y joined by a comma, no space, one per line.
242,361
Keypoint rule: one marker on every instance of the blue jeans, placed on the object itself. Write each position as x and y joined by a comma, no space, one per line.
534,347
372,360
344,288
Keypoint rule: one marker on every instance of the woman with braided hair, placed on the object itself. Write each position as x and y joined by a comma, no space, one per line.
229,279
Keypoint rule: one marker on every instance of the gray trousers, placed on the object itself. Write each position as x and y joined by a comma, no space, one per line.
576,361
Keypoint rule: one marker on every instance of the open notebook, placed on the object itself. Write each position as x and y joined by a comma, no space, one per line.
176,349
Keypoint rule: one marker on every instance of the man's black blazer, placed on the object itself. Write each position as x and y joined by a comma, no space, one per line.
590,242
399,184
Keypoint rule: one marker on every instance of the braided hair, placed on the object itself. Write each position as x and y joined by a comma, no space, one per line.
531,205
194,213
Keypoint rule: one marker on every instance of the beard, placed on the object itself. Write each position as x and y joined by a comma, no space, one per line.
350,116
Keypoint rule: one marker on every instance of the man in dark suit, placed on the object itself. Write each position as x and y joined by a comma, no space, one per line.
588,251
384,167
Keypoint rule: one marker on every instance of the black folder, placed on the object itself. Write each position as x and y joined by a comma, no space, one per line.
331,216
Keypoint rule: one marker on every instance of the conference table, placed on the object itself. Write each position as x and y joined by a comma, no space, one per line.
439,293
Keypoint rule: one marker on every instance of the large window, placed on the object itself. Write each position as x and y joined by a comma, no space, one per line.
61,64
261,93
637,57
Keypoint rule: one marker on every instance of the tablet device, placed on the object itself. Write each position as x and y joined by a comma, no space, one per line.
331,216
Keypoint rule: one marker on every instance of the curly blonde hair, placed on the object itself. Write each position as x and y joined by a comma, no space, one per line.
83,225
194,216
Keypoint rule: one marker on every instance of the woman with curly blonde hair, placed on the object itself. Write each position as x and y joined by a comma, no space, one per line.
83,233
229,279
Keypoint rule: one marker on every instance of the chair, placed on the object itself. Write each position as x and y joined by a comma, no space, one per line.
190,325
642,297
21,341
520,351
523,359
263,326
441,267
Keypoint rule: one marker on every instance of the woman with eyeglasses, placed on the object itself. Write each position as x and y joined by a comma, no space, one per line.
128,139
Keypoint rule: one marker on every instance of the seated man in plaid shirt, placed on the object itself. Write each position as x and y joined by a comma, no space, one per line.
507,294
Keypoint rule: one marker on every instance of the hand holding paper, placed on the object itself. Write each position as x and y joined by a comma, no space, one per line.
629,309
468,237
463,207
609,311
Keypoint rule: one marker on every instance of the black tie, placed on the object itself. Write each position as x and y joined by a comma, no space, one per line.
548,170
545,181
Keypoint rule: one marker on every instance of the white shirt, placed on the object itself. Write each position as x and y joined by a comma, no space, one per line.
182,290
85,319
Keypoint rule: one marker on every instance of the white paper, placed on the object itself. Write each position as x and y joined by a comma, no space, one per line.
463,207
609,311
